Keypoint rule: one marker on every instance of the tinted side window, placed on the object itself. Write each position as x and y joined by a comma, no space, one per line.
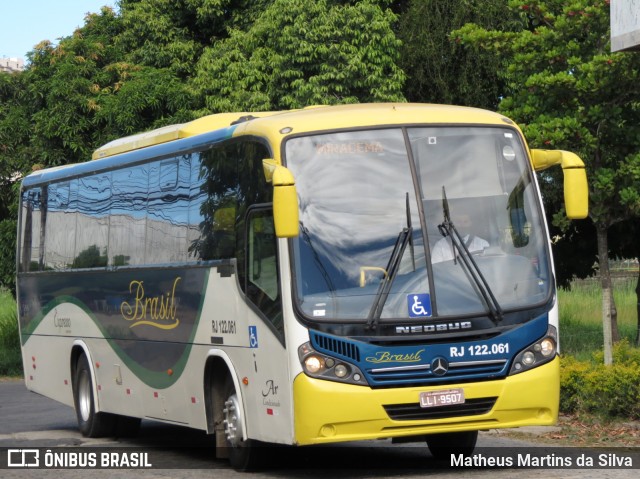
168,210
31,252
214,205
226,181
195,215
127,232
61,225
252,189
92,233
262,286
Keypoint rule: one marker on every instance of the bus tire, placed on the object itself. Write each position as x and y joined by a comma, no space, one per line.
443,445
90,422
244,454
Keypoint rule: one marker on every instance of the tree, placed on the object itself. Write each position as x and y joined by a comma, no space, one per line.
159,62
65,83
14,155
170,34
440,70
72,98
300,53
568,91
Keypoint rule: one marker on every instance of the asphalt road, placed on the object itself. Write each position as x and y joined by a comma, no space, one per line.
28,420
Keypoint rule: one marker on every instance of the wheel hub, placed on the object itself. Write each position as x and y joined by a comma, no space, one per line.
233,421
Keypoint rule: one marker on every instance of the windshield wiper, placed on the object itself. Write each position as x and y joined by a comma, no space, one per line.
447,228
404,238
392,270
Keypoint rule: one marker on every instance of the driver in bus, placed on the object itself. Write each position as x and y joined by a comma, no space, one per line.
443,250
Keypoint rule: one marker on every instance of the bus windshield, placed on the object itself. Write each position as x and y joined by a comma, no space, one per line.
420,222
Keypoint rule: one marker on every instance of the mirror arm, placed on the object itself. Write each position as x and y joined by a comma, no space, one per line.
576,192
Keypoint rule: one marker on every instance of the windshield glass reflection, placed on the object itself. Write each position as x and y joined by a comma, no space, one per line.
353,205
492,203
361,225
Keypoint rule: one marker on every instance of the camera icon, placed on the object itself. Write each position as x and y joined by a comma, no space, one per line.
23,458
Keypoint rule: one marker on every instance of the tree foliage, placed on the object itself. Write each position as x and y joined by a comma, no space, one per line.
170,34
15,153
568,91
300,53
439,68
64,83
158,62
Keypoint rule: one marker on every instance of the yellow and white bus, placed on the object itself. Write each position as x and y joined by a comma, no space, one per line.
301,277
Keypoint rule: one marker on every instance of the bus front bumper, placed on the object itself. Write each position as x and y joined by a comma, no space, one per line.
327,411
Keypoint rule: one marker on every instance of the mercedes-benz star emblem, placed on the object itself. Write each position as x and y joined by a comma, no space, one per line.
439,366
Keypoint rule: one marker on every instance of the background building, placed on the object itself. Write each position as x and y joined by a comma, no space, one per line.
11,65
625,25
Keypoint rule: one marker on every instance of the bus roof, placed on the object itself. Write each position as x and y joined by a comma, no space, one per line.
315,118
326,118
273,126
173,132
374,114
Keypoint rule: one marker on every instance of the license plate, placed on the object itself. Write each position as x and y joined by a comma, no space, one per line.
446,397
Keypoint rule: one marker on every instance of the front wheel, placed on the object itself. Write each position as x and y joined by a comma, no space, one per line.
244,454
90,422
442,446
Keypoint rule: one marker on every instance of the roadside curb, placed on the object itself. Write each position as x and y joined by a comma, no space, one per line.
530,430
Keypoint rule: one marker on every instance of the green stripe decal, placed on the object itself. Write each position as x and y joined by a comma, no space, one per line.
131,313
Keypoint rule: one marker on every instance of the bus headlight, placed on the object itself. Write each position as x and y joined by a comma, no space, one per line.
321,366
547,347
341,371
537,354
313,364
528,358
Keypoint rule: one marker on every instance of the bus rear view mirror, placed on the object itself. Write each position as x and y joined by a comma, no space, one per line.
576,191
285,199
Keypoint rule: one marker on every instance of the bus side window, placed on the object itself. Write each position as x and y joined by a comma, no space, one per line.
31,255
213,200
262,265
60,228
167,211
128,223
92,221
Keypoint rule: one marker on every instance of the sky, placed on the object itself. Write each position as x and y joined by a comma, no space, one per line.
25,23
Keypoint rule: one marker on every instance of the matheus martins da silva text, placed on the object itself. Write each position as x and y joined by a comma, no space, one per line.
604,460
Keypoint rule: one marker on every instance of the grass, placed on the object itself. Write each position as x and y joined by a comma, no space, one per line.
10,359
581,315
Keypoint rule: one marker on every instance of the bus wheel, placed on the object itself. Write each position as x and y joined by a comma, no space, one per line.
243,453
443,445
90,422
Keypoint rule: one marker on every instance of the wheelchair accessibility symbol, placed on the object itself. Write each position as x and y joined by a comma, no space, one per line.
253,337
419,305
